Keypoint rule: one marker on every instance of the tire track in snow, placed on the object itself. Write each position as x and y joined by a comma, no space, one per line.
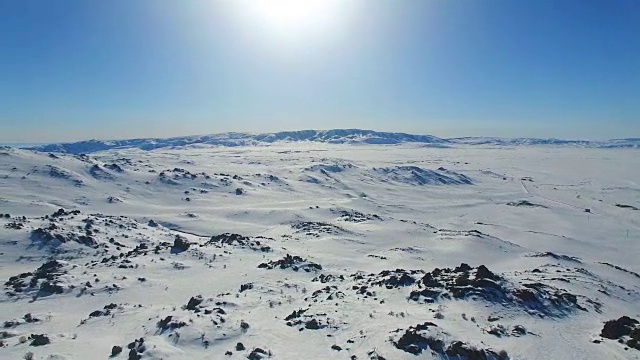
526,190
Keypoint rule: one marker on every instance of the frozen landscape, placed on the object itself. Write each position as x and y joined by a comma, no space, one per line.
342,244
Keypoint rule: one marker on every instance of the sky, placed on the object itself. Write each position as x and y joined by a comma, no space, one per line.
92,69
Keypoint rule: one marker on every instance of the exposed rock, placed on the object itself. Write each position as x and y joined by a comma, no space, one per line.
113,200
633,273
394,278
327,278
62,212
136,348
412,341
30,319
180,244
309,321
355,216
168,323
258,354
116,350
194,302
51,288
28,282
114,167
524,203
39,340
312,324
483,273
316,229
373,355
133,355
465,283
245,287
332,293
96,313
237,240
614,329
105,312
49,237
295,314
555,256
425,336
99,173
630,207
294,262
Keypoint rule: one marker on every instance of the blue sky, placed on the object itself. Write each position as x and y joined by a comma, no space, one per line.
78,69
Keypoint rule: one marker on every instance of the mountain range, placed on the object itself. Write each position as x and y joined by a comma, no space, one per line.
335,136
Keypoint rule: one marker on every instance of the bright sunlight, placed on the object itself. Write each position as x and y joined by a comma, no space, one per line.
294,20
292,14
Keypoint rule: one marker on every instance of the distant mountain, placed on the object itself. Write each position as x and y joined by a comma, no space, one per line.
22,145
497,141
336,136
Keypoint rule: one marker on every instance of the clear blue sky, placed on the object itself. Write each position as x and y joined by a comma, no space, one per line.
77,69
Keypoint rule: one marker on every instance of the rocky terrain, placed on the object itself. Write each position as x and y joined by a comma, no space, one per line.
317,248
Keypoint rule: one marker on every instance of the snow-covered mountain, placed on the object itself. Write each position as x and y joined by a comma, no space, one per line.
498,141
336,136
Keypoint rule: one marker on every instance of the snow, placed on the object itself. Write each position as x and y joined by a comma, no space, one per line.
364,224
335,136
497,141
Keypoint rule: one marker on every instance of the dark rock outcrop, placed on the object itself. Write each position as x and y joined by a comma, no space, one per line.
465,282
39,340
425,336
180,244
237,240
291,262
258,354
116,350
625,329
194,302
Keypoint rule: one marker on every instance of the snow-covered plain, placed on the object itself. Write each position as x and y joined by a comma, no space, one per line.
378,238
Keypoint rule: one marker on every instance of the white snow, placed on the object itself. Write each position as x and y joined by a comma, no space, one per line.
355,210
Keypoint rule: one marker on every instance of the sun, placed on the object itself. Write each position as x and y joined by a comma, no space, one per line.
291,19
286,27
292,13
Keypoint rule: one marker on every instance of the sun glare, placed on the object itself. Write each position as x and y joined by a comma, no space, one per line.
291,13
294,19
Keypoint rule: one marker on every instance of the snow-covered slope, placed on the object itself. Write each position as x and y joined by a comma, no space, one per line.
309,250
336,136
